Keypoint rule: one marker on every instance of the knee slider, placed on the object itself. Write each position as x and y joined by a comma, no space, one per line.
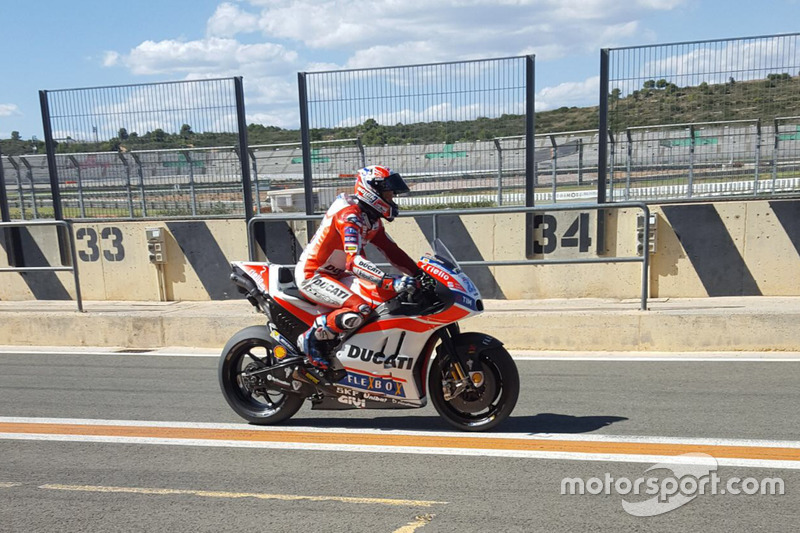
322,331
349,320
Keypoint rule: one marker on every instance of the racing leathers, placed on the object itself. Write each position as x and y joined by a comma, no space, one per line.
330,263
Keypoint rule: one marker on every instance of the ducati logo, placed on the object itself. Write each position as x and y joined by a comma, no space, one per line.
379,358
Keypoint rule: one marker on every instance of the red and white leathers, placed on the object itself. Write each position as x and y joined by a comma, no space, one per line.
327,270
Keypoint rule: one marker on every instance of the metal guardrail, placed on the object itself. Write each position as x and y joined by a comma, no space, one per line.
435,215
73,256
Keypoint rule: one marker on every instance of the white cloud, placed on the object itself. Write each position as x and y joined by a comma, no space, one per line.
229,20
216,56
8,110
110,59
569,94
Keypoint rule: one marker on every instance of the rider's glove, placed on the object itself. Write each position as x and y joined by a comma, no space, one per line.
405,284
400,283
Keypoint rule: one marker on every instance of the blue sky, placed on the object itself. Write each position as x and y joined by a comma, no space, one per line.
87,43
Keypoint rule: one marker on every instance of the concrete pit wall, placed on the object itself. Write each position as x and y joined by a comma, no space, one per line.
704,249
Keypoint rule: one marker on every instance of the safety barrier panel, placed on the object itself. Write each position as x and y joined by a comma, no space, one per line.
529,211
73,267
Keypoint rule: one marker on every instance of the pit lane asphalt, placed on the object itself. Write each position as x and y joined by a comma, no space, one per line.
754,400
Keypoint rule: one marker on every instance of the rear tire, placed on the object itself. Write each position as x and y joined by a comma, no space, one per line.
484,407
252,400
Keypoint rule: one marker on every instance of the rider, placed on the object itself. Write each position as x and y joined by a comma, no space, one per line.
326,269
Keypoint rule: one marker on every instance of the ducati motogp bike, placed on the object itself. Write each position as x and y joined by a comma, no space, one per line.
408,350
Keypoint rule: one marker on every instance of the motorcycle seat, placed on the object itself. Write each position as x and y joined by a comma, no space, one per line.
288,285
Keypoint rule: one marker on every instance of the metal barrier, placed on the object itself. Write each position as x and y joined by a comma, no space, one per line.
73,256
435,215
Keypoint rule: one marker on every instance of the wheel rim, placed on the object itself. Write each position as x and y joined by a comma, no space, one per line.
253,393
480,405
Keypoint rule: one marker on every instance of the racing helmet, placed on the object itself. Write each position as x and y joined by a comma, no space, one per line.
372,182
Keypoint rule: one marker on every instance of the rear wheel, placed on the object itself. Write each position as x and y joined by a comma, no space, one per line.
252,397
477,408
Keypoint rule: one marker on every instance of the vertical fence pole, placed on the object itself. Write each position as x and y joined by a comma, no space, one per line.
52,167
628,164
81,206
690,185
612,153
128,187
20,193
499,172
255,180
602,150
140,173
305,140
243,152
554,161
758,156
12,238
361,151
29,174
775,158
192,192
530,149
580,161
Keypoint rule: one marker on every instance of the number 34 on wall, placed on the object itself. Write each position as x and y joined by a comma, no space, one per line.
546,233
112,244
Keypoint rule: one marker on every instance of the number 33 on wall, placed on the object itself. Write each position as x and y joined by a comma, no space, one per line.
112,244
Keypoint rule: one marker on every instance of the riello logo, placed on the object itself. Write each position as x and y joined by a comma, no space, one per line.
380,358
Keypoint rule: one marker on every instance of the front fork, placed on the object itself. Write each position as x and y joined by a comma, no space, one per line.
466,372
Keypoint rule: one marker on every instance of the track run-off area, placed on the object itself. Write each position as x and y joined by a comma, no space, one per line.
102,440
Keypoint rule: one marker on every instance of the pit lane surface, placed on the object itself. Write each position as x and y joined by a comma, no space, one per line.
119,485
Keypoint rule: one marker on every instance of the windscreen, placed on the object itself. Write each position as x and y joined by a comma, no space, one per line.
440,250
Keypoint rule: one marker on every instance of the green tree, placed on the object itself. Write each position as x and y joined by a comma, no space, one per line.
123,134
15,136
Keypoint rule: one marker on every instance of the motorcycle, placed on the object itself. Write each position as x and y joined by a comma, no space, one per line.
472,380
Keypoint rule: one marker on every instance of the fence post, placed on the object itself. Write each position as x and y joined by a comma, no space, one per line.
612,153
192,192
243,152
554,170
775,158
690,185
29,172
19,186
530,149
580,161
758,156
252,155
140,173
81,206
363,153
305,140
128,188
628,164
499,172
55,190
13,243
602,150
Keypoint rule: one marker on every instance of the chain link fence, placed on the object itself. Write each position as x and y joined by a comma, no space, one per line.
701,119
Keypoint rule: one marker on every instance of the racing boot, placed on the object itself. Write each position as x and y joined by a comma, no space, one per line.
309,343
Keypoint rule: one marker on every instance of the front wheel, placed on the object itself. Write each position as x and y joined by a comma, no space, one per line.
477,408
252,398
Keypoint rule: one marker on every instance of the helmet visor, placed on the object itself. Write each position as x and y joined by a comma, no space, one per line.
395,184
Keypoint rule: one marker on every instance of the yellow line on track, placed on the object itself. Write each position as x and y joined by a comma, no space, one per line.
414,441
414,525
233,495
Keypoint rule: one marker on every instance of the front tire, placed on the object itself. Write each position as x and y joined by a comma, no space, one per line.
249,398
478,408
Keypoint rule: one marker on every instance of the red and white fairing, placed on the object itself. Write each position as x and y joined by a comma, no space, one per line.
386,360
